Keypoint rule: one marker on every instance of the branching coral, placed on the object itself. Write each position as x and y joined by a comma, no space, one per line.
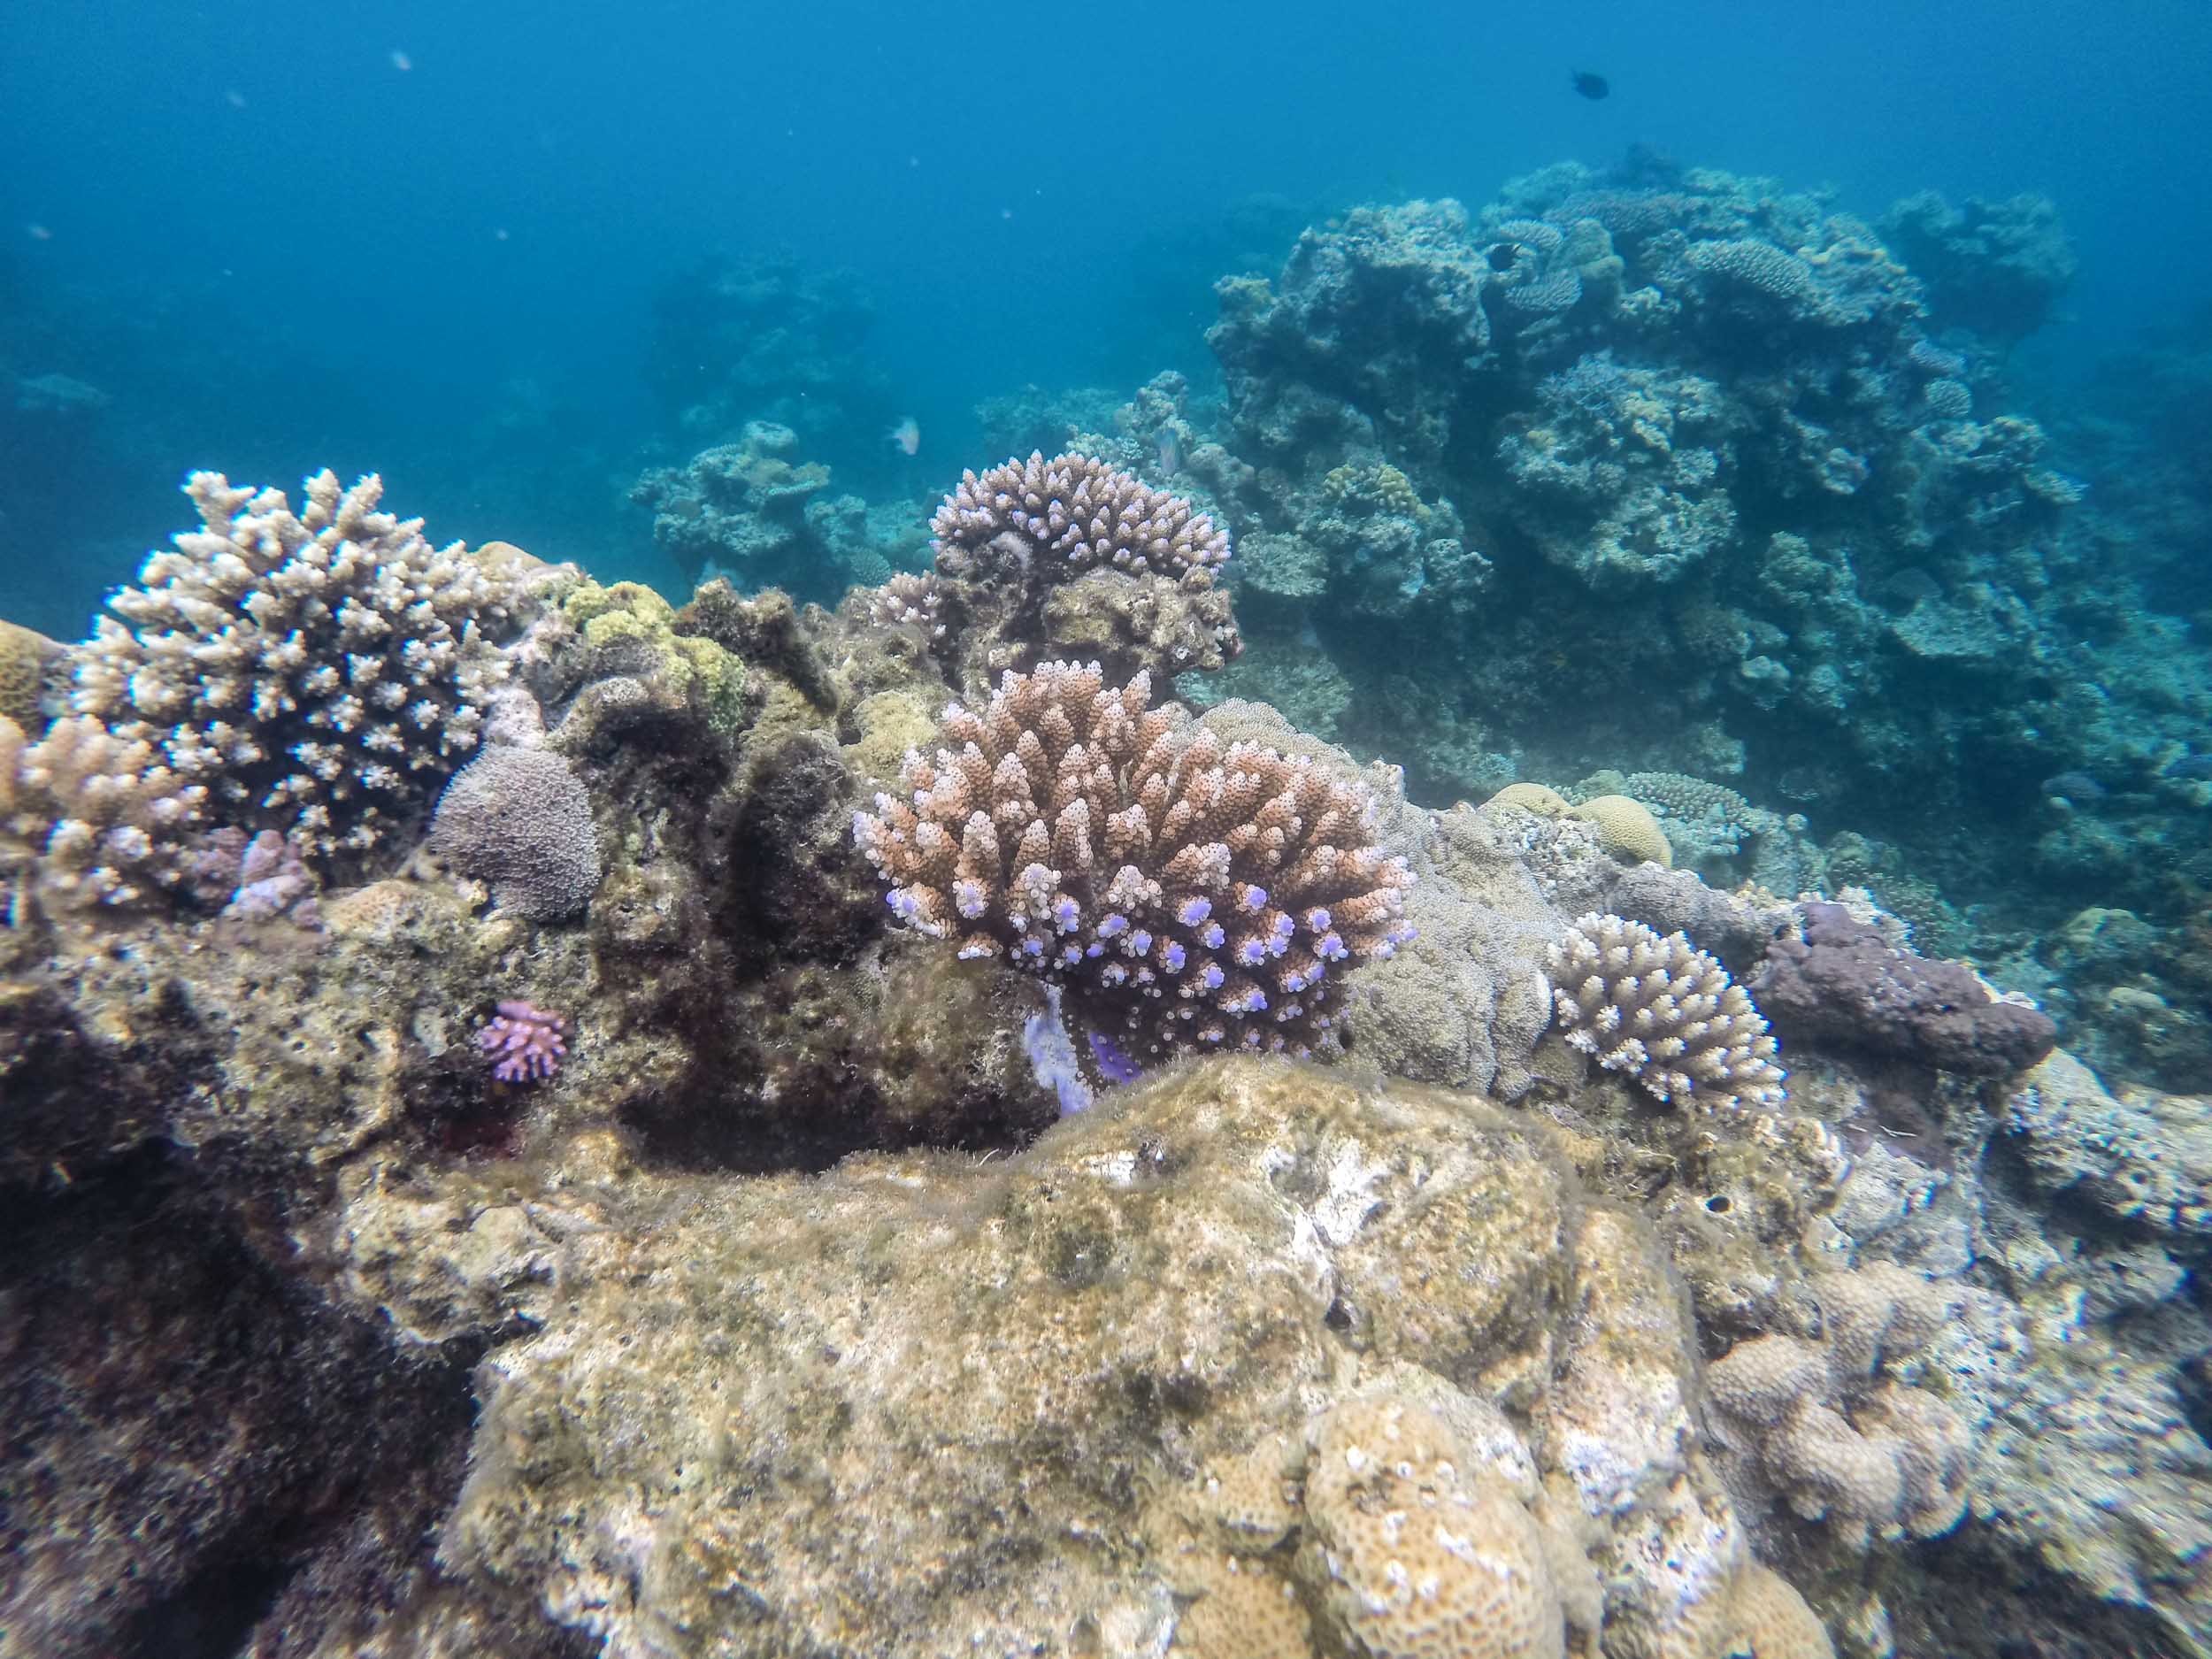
1191,894
1039,559
319,672
1077,512
1662,1011
93,818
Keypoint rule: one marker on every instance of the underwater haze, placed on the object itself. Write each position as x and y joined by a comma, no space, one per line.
388,237
1202,832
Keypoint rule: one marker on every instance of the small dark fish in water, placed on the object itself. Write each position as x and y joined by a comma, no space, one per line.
2192,767
2074,786
1590,86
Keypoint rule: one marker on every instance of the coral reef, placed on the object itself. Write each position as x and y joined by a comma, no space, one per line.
1194,894
1663,1012
920,1231
752,513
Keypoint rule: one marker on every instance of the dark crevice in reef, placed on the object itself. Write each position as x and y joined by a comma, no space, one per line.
213,1437
2021,1611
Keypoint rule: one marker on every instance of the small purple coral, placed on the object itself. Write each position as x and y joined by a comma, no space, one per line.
524,1042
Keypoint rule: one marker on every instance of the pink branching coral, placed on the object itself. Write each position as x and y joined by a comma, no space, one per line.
1189,894
524,1042
1080,513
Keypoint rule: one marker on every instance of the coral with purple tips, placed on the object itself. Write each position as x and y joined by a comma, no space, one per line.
1073,808
524,1042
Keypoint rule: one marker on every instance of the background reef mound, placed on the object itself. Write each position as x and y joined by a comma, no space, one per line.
1668,464
790,1239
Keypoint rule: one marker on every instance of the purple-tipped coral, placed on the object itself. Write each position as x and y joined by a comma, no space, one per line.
1080,513
524,1042
1192,894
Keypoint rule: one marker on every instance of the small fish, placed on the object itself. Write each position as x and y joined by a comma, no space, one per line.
1169,452
401,62
2192,768
907,436
2074,785
1588,85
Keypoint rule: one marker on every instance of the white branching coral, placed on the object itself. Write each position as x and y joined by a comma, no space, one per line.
92,818
1655,1007
319,672
1080,513
1191,895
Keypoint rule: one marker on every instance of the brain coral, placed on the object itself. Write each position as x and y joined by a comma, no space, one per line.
1627,829
519,818
1426,1556
1662,1011
318,672
1191,894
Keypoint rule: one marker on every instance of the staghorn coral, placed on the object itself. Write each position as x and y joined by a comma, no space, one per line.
1835,1428
519,818
90,818
1662,1011
318,672
1192,894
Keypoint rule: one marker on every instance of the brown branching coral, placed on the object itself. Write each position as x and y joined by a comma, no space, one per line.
1192,894
1660,1011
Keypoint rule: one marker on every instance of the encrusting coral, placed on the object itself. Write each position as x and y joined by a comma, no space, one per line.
1836,1431
1658,1008
1193,894
318,672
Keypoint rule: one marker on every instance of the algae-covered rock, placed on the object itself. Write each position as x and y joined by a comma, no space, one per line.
927,1406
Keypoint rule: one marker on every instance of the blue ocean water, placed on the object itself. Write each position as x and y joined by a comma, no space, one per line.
427,239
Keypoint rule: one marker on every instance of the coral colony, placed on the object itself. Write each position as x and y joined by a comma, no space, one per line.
1198,895
960,1237
523,1043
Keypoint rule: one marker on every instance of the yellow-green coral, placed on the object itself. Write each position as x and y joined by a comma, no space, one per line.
698,672
24,657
